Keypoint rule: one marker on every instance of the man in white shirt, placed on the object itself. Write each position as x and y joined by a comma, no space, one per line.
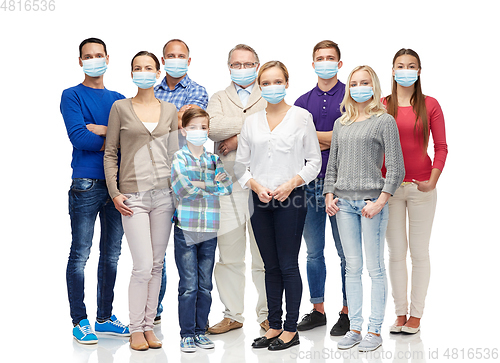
228,109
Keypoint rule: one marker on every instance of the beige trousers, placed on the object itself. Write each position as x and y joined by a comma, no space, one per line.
420,208
147,232
229,272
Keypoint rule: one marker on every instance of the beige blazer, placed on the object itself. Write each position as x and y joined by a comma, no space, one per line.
227,116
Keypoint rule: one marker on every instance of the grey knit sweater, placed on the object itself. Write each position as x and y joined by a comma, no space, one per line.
356,158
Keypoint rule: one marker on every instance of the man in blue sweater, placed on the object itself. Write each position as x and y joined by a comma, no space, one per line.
85,110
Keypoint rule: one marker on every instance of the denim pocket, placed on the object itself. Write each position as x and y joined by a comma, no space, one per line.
82,184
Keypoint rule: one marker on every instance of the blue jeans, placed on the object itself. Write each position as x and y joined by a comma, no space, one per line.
163,288
277,228
356,231
314,235
87,199
195,264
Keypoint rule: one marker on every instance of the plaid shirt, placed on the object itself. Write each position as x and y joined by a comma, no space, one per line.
198,209
186,92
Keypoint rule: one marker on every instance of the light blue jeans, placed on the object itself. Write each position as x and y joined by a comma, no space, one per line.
356,231
314,236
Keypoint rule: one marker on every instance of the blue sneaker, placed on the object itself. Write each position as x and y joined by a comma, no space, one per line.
112,326
187,345
84,334
202,341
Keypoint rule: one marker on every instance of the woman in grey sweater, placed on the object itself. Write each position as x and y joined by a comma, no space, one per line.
357,193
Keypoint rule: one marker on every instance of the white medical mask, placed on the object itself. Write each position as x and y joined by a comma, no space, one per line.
197,137
361,94
243,77
176,67
273,94
405,77
326,69
144,80
94,67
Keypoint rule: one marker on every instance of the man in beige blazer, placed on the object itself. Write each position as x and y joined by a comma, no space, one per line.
228,109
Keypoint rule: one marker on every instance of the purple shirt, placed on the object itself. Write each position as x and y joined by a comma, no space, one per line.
325,109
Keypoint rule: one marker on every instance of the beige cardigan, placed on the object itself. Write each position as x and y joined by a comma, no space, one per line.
146,156
227,116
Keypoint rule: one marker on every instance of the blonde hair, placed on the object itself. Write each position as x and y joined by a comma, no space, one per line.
349,106
272,64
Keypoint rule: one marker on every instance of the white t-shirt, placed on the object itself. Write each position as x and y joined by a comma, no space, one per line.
150,125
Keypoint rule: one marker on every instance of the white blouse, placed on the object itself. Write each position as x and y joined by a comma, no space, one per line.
274,157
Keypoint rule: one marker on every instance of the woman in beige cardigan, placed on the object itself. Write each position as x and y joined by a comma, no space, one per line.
144,129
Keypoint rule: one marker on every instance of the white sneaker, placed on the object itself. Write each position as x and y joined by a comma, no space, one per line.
349,340
370,343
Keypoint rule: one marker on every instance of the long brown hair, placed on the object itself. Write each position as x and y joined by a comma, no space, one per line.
417,100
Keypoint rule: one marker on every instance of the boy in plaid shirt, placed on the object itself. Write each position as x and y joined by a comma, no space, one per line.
198,179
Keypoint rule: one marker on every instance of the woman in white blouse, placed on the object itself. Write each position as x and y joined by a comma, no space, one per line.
273,145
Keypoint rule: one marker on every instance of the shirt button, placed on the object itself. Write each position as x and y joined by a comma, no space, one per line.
324,107
324,100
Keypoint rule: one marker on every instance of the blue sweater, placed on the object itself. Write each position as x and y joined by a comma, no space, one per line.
80,106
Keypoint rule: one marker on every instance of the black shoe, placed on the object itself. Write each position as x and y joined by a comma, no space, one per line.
278,344
341,327
263,342
312,320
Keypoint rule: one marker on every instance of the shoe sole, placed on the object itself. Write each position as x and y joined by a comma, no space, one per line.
299,328
86,342
348,347
338,333
291,345
222,332
365,350
112,334
212,346
188,350
410,332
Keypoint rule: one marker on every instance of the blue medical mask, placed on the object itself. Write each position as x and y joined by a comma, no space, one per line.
94,67
361,94
197,137
273,94
243,77
405,77
144,80
326,69
176,67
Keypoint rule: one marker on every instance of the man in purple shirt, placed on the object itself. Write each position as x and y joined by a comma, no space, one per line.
323,102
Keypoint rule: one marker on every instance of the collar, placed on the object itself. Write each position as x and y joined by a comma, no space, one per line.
183,83
249,88
330,92
186,150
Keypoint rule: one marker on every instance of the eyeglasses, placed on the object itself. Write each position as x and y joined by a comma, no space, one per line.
244,65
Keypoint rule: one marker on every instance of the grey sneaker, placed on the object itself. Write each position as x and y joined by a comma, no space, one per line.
349,340
370,343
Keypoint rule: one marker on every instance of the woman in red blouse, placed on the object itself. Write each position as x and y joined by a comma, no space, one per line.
417,116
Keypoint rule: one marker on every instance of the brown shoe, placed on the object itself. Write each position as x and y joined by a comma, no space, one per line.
138,341
224,326
153,341
265,325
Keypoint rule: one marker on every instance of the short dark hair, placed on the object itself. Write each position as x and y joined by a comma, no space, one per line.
93,40
174,40
192,113
326,44
149,54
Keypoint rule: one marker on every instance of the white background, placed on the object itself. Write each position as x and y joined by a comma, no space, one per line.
457,42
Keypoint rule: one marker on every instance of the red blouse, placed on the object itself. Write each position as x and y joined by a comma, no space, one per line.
418,165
